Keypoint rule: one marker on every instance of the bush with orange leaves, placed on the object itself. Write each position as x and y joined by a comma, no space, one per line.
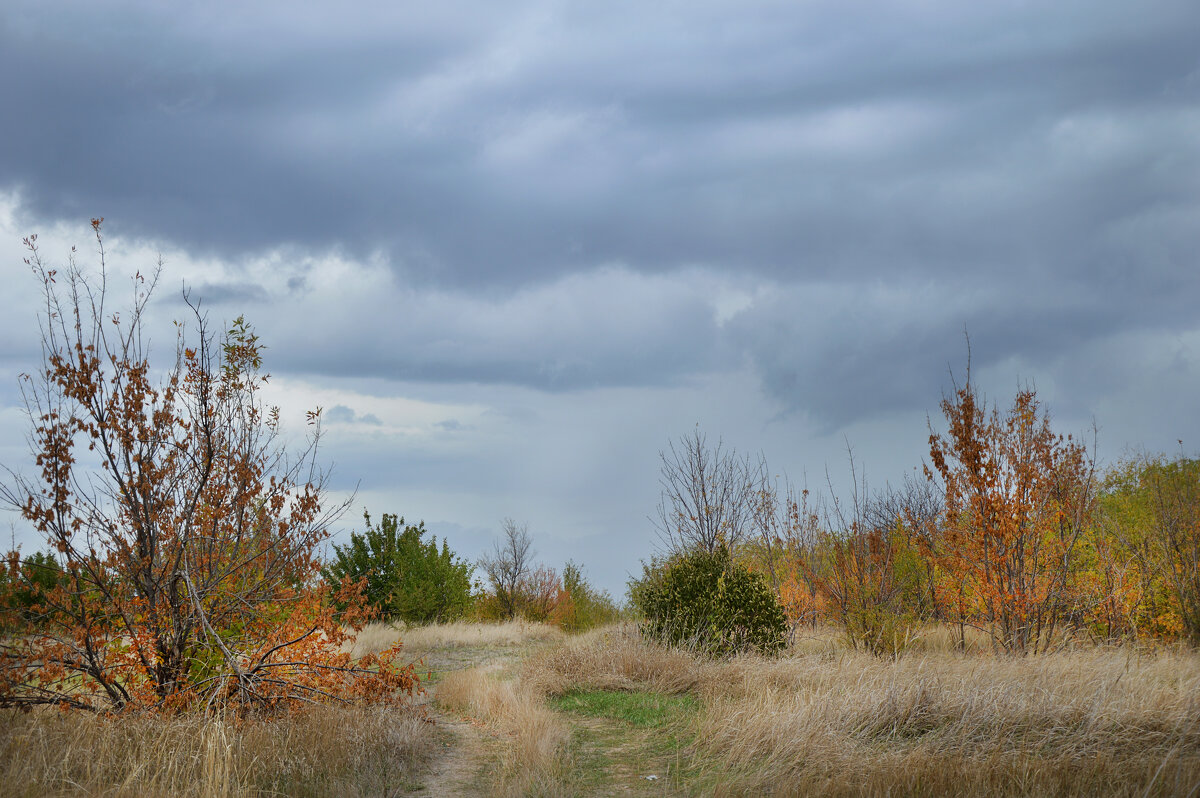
186,533
1018,502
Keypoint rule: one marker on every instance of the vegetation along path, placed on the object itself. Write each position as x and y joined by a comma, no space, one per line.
495,737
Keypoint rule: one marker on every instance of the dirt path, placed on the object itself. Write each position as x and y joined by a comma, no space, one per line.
607,757
457,769
467,748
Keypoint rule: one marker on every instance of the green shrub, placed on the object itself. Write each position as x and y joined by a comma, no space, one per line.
708,602
408,579
877,627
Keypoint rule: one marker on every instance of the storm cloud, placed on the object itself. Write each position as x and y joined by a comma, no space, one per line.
778,218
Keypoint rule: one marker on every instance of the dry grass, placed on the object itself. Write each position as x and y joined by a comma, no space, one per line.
327,751
822,639
1080,723
376,637
613,658
1086,722
532,756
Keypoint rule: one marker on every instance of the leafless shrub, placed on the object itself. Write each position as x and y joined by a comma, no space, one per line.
509,566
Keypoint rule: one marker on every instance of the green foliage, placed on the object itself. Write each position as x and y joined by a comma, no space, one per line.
877,626
708,602
1150,522
25,586
407,578
584,606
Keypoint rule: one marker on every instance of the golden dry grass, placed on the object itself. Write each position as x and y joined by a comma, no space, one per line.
375,637
1096,721
935,637
328,751
532,757
613,658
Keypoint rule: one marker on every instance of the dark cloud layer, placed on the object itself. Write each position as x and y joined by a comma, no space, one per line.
788,140
870,180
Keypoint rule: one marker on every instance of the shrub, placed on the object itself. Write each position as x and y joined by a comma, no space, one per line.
536,596
1147,546
407,578
583,607
870,580
707,601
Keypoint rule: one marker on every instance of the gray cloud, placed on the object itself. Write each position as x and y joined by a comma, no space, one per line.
784,141
340,414
774,219
599,328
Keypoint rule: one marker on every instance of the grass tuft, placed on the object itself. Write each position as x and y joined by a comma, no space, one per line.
532,760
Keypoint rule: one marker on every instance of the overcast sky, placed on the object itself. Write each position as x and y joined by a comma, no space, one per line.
513,249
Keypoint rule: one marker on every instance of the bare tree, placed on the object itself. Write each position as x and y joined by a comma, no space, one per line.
709,495
786,521
509,565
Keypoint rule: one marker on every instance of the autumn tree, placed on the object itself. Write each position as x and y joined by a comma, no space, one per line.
787,529
866,567
1017,498
186,533
582,606
1148,540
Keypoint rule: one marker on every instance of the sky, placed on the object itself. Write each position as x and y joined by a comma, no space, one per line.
513,250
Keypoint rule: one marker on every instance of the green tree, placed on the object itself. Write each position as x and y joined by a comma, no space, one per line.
24,587
407,577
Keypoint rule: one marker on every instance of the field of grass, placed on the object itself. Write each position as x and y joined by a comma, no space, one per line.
521,710
1091,721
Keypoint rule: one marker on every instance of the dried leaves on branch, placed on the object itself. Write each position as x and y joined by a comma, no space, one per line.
1017,505
186,532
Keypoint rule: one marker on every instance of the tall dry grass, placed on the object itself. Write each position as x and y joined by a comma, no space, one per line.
532,759
1097,721
1079,723
375,637
613,658
325,751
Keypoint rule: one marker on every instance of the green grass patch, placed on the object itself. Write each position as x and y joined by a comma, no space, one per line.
639,709
621,737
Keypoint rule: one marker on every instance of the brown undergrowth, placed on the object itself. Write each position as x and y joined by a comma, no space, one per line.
378,636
